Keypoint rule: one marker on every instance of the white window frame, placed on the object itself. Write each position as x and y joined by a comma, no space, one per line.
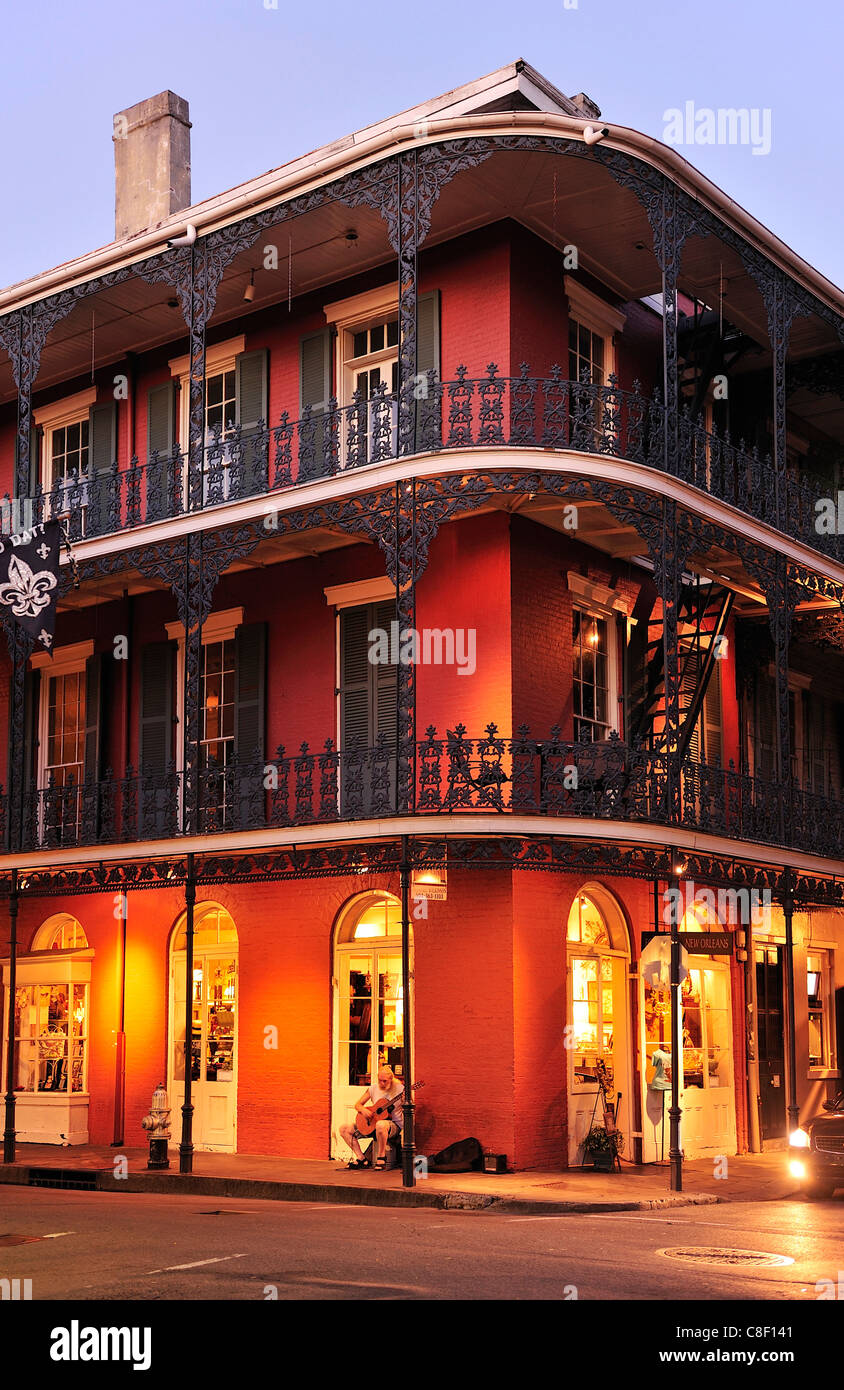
222,357
64,661
830,1067
218,627
355,595
599,601
352,316
71,410
599,317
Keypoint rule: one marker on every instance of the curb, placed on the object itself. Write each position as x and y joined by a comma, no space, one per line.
178,1184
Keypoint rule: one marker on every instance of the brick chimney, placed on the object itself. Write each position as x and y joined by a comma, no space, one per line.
151,163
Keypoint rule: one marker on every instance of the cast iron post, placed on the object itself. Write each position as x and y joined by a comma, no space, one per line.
791,1042
9,1131
186,1146
408,1144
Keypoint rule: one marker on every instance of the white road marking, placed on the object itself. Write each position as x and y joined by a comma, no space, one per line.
196,1263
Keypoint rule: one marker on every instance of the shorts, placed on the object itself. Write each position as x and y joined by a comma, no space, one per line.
391,1132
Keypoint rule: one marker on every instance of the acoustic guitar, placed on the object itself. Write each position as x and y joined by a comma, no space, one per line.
368,1118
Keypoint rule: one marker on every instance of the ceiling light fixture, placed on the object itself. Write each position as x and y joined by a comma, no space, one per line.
249,292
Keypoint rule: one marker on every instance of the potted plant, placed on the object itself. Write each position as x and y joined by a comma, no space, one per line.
602,1148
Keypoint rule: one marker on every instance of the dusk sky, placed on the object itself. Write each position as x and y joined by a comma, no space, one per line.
265,85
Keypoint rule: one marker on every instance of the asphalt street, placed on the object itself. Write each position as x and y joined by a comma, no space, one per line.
86,1245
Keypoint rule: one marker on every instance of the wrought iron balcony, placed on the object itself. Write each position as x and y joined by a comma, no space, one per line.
492,412
455,775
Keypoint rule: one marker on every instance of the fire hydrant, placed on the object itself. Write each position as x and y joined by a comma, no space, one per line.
158,1124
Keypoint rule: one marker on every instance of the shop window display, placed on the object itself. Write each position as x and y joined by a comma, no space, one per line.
51,1038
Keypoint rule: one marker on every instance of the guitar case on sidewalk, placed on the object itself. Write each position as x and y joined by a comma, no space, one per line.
466,1156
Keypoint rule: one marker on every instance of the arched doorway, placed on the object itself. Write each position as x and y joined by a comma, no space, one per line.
598,1022
213,1049
368,1002
51,1042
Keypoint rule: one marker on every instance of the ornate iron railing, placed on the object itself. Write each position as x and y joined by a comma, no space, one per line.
491,412
455,774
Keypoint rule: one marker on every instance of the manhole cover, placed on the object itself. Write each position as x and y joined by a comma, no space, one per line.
724,1255
10,1239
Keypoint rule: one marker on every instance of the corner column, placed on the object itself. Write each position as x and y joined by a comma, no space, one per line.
9,1129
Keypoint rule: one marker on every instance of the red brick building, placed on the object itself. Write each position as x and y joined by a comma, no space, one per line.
476,377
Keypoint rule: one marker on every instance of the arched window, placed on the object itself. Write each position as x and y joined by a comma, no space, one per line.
60,933
374,915
586,923
212,926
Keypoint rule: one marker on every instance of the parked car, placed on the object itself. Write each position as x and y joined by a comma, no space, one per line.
816,1151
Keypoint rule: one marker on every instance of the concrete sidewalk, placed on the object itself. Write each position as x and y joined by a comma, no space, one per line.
752,1177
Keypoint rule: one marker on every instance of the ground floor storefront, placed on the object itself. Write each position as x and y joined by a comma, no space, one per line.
527,988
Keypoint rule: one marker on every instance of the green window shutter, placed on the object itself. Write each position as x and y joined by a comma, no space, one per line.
355,678
36,441
428,411
315,372
249,683
157,713
251,369
102,436
367,710
687,693
251,410
710,720
428,332
31,707
93,717
315,391
765,731
161,418
385,680
102,451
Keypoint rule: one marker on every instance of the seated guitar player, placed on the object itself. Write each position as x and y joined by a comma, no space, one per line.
382,1102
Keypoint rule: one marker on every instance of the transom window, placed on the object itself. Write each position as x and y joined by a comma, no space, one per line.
586,923
590,677
368,340
61,933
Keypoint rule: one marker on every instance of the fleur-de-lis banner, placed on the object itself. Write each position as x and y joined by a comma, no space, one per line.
29,579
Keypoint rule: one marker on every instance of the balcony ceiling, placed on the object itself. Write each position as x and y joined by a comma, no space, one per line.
566,201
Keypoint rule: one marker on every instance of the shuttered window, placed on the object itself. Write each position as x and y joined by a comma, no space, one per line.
706,743
368,695
367,691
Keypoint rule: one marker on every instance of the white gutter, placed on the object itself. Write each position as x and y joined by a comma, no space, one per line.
348,155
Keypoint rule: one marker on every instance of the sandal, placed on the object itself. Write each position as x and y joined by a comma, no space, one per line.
356,1163
380,1162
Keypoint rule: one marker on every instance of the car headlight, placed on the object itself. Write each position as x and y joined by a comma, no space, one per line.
799,1139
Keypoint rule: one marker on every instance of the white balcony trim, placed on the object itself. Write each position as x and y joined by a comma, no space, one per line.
480,825
373,476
